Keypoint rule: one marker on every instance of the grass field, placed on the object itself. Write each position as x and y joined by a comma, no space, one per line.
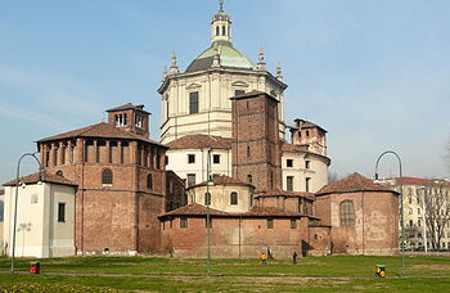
312,274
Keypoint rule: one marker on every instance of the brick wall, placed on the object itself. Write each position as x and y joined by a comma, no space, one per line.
234,237
256,150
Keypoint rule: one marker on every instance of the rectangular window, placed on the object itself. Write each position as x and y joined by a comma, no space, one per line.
307,164
216,159
61,212
307,183
239,92
410,211
293,224
190,179
183,222
290,183
289,163
193,102
269,223
191,159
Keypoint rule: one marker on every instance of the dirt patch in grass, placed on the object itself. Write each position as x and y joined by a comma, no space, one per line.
433,267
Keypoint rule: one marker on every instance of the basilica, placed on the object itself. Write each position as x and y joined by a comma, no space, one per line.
228,174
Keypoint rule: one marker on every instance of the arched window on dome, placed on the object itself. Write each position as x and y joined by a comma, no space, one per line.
107,177
347,213
224,33
217,30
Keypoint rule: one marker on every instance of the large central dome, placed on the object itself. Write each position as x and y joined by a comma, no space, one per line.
228,56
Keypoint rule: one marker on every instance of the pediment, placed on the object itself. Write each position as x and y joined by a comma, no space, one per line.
193,85
240,84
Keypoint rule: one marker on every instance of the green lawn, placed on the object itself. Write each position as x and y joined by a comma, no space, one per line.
312,274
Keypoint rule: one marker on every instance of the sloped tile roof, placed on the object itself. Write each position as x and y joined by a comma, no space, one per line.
223,180
100,130
43,177
194,209
271,212
287,147
354,182
126,107
200,141
273,193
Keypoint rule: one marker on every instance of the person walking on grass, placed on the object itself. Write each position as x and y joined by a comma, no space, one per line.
294,257
263,258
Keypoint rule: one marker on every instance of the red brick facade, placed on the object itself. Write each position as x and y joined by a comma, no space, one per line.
119,216
256,148
363,216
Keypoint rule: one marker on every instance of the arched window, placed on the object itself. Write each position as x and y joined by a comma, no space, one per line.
149,181
224,33
60,173
249,179
207,199
107,177
234,198
217,30
347,213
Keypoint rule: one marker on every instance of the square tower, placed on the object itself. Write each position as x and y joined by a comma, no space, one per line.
256,146
129,117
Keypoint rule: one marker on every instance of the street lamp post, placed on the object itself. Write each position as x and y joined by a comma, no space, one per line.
402,216
16,197
424,208
208,212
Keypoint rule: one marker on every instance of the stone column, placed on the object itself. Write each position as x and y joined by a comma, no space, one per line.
108,151
79,150
133,152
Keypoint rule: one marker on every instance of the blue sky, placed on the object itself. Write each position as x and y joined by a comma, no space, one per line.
374,73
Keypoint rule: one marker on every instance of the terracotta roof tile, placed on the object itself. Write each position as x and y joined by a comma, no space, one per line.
192,209
200,141
100,130
354,182
126,107
274,193
223,180
44,177
270,212
287,147
256,211
253,93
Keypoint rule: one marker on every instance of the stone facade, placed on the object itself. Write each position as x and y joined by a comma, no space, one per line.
45,217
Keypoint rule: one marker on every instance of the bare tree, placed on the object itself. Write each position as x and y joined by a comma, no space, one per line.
333,177
436,201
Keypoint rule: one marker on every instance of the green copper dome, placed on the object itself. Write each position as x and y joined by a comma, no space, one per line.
228,55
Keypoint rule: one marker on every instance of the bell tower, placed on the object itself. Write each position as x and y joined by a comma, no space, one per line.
221,26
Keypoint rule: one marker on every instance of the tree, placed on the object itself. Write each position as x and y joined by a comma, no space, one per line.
436,202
